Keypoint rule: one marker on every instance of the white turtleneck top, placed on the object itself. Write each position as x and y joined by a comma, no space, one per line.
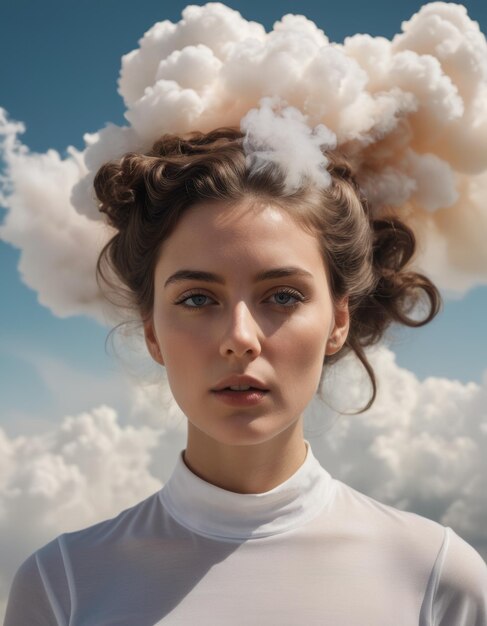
310,552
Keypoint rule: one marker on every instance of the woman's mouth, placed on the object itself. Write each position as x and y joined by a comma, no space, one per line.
241,397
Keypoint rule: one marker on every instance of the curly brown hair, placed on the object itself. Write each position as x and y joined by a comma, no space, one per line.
145,195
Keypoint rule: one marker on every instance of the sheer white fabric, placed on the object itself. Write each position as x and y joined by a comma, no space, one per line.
312,551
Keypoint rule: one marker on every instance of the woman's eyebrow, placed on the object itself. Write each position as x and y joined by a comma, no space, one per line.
209,277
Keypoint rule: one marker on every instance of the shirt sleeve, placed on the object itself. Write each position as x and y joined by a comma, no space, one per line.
460,581
38,593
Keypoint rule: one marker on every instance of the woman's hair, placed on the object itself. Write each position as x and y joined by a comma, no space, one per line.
145,195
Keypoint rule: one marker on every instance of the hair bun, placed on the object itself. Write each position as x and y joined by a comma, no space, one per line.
133,184
119,187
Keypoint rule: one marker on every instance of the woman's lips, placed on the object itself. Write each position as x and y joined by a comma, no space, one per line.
241,398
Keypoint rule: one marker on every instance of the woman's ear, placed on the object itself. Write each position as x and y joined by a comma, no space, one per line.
151,342
339,333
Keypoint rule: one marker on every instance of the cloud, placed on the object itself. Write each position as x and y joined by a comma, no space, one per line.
277,134
85,469
411,110
58,245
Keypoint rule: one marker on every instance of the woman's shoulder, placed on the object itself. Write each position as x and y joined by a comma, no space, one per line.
128,522
457,588
53,555
454,571
44,576
386,520
407,534
39,593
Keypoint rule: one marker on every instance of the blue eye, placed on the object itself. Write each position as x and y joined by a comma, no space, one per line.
196,296
289,293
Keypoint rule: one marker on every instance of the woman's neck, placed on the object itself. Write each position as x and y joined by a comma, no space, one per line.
246,468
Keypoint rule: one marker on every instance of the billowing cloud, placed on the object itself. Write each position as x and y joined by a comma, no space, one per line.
86,469
411,110
59,246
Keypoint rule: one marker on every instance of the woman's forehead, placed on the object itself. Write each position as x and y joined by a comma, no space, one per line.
245,245
237,226
242,219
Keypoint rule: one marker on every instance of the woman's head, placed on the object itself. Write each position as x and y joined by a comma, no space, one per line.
260,306
188,188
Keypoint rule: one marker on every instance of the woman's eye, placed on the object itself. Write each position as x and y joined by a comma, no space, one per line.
283,295
198,300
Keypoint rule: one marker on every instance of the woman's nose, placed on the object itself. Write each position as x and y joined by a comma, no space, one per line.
241,335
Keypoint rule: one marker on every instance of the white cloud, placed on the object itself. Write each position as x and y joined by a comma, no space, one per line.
58,245
86,469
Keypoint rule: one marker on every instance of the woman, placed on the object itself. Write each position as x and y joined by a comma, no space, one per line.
245,293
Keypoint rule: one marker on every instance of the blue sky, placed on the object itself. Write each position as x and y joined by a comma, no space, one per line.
59,78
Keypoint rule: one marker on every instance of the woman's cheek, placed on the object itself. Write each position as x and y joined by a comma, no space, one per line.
307,343
178,330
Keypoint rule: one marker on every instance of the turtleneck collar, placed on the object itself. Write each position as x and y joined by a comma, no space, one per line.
220,514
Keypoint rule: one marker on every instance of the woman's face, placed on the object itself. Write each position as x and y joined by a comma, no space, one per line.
275,329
